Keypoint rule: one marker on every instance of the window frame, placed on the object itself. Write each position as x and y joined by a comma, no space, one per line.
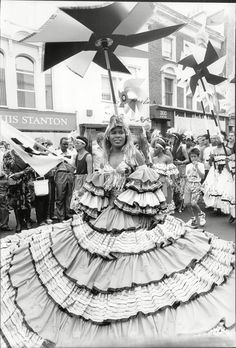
4,89
29,74
172,38
116,81
49,73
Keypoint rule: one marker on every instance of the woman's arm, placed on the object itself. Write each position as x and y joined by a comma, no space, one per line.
89,161
139,158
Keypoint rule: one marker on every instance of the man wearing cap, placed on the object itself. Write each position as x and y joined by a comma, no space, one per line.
64,179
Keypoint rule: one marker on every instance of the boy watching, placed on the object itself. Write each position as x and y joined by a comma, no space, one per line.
195,172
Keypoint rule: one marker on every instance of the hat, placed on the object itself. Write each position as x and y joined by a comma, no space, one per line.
83,140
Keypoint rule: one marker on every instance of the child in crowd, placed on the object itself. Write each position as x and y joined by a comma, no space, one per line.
194,174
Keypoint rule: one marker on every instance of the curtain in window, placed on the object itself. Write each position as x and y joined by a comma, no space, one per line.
168,92
48,90
3,97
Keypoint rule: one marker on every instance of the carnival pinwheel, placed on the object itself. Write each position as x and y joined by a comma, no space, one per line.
132,96
82,35
197,66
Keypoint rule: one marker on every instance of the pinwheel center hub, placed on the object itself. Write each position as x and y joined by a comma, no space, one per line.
104,42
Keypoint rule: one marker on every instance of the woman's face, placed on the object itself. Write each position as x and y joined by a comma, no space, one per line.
79,145
117,137
158,149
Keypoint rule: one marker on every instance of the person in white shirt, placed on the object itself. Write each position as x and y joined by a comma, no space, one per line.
97,152
195,172
64,180
206,153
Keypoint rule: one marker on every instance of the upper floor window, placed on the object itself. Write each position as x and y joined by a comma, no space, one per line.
3,97
48,90
106,89
25,82
169,48
189,101
169,87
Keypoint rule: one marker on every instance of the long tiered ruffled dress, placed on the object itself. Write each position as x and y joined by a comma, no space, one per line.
217,184
102,279
228,196
167,172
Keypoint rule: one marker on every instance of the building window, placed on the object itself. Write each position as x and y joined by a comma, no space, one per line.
199,106
48,90
3,97
180,97
189,101
25,82
106,89
168,91
169,48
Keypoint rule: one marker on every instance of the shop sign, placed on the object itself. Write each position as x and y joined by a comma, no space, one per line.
40,122
161,114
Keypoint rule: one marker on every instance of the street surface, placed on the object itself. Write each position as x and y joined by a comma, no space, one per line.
216,224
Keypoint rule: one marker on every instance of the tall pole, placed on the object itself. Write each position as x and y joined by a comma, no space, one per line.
214,118
105,49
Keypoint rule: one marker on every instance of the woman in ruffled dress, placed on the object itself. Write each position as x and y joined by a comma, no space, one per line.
103,279
228,196
218,177
163,164
180,159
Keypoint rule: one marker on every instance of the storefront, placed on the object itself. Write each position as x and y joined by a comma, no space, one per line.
51,125
161,118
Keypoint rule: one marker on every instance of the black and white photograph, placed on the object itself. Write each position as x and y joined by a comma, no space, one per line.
117,174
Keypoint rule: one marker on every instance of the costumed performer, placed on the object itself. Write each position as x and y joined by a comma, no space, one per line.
163,164
103,279
218,176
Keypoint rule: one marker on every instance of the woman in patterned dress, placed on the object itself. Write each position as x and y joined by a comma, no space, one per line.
103,279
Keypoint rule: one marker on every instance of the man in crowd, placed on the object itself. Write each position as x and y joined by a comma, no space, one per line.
206,152
97,152
64,179
4,209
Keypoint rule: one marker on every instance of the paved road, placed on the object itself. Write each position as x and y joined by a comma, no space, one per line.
217,224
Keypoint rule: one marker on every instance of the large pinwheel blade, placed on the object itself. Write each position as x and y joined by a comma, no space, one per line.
218,66
215,79
193,83
211,55
131,94
80,62
101,20
56,52
184,74
139,106
54,30
132,104
188,61
124,51
135,19
133,83
115,63
148,36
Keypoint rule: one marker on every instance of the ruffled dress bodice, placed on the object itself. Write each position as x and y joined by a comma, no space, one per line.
104,279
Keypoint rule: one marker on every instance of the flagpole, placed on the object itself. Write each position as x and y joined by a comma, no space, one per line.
213,115
104,44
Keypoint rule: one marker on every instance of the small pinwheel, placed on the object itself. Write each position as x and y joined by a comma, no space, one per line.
199,66
132,96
